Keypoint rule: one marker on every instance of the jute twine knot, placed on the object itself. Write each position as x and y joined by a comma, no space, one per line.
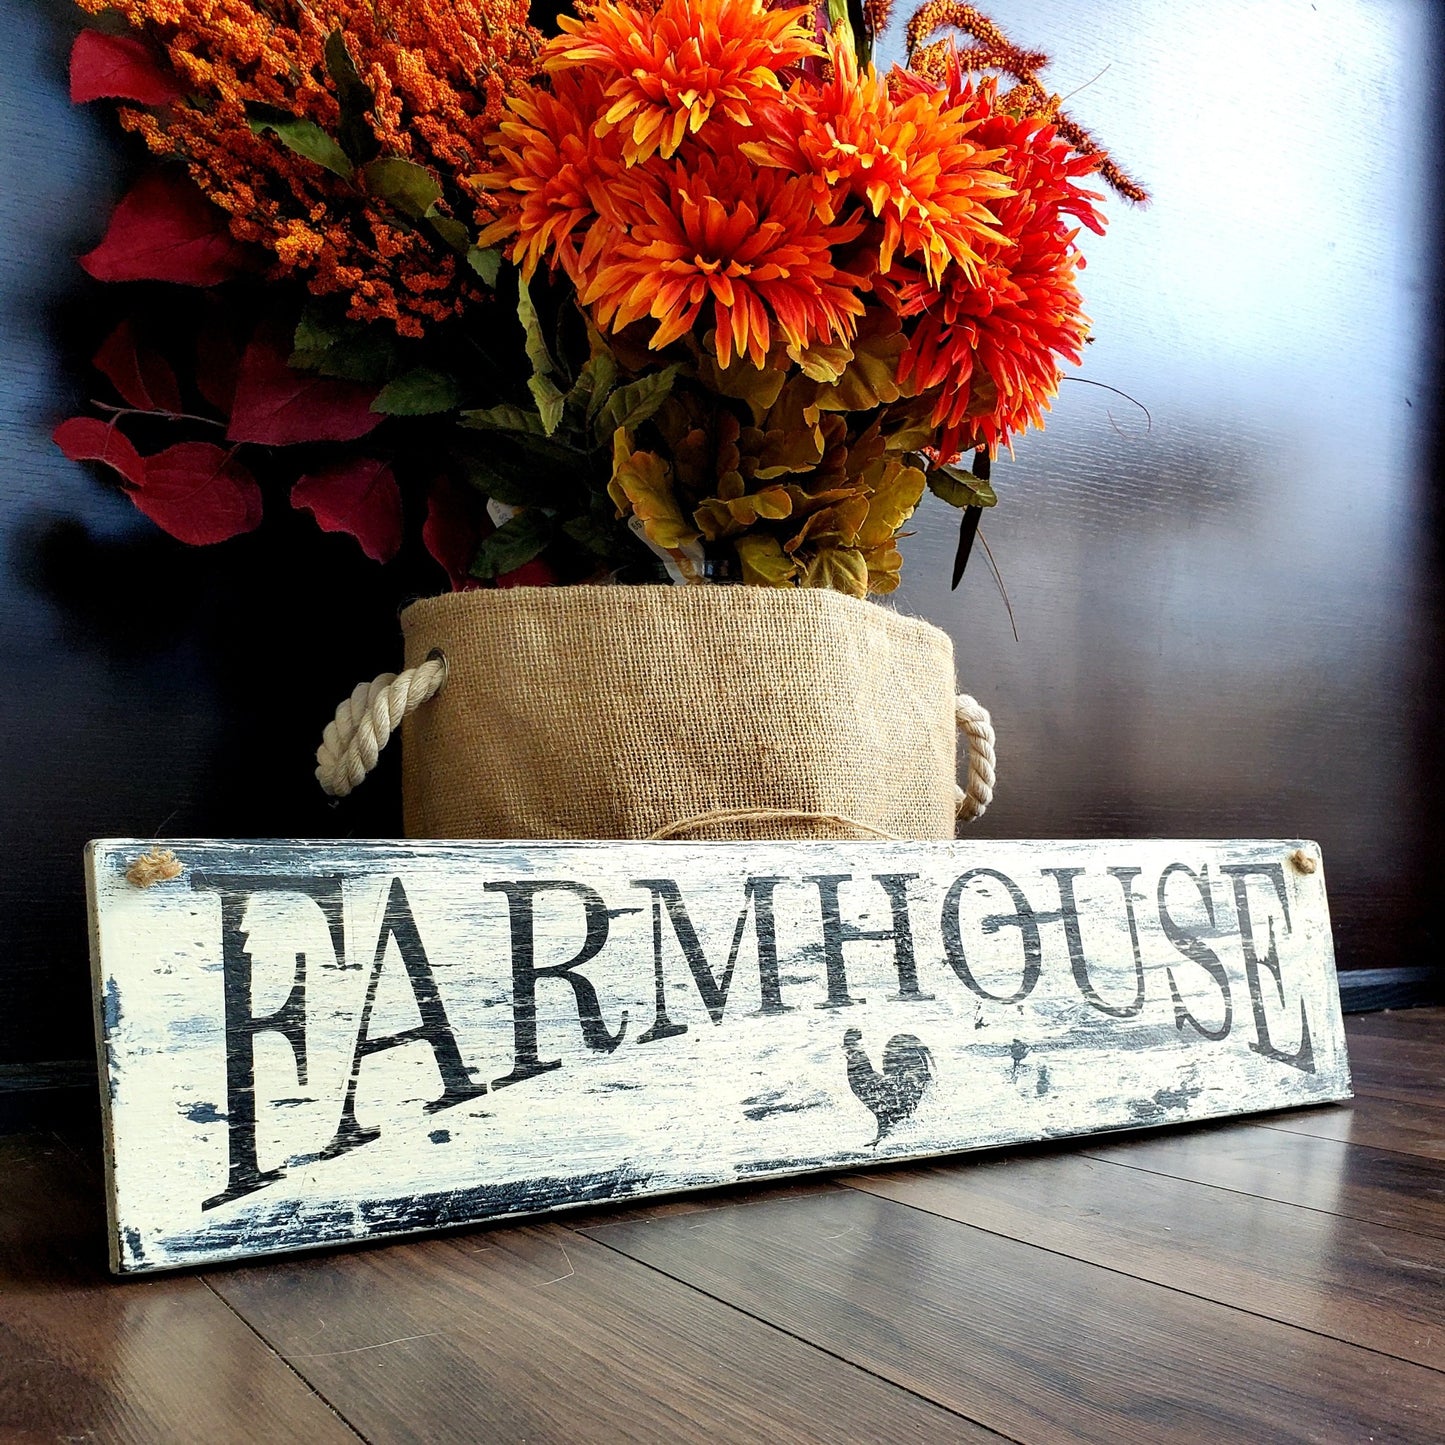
364,723
159,865
764,815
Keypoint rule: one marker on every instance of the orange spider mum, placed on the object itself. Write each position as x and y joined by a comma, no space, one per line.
911,158
715,232
828,131
995,347
667,72
550,162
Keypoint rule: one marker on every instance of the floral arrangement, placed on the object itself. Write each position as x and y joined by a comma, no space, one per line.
687,290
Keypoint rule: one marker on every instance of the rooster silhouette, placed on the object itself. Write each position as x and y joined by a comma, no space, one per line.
894,1094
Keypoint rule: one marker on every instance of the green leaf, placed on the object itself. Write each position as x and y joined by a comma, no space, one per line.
486,261
960,488
358,140
516,542
550,464
346,350
505,418
631,405
515,487
315,330
451,230
537,352
550,402
304,137
406,187
595,535
420,392
596,381
545,392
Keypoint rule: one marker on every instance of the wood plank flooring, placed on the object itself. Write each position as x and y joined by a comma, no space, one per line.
1280,1278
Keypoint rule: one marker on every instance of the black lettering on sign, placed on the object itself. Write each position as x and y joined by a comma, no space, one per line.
1303,1058
836,933
1022,918
1196,951
1069,914
757,899
521,908
457,1086
244,1175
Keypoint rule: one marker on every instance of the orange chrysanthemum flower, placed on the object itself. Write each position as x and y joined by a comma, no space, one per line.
551,163
666,73
717,234
995,347
829,132
912,159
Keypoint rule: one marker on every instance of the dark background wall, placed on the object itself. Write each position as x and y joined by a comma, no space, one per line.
1228,616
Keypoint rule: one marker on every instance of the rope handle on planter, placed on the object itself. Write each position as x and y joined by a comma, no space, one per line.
977,727
364,723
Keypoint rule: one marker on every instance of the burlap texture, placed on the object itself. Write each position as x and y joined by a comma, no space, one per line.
613,712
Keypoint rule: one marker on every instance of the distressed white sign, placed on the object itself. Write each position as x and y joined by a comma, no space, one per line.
303,1044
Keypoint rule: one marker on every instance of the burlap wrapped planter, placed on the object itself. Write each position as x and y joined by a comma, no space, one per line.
620,712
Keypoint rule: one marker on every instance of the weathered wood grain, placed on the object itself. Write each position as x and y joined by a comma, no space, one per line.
159,1360
1410,1025
1402,1191
309,1043
537,1333
1408,1128
1026,1341
1411,1126
1370,1286
1409,1070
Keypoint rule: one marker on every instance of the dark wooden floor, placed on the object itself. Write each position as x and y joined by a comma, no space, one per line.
1277,1279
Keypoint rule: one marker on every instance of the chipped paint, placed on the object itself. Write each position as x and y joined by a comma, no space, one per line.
326,1042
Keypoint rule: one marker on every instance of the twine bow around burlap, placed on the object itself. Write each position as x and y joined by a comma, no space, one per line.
365,722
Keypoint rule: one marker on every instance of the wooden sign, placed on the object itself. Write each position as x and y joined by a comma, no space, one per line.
304,1044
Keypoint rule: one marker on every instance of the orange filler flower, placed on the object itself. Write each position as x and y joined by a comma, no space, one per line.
666,73
439,73
749,242
993,50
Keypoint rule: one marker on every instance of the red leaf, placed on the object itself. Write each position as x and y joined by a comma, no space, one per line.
218,357
88,439
119,67
278,406
164,229
360,496
143,378
453,530
199,493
